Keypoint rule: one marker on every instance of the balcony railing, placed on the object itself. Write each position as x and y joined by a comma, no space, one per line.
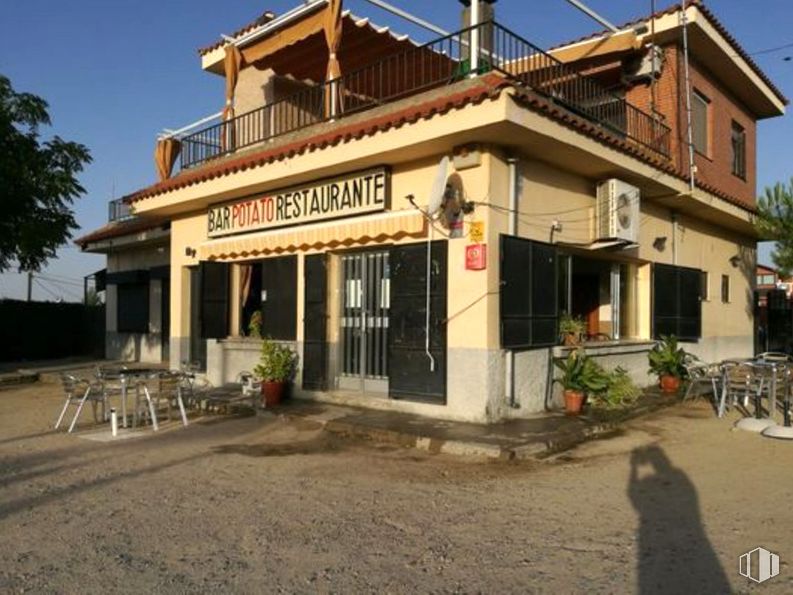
118,210
420,69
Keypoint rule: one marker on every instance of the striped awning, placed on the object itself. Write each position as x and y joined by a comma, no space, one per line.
345,233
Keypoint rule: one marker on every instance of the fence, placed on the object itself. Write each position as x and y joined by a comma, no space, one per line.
45,330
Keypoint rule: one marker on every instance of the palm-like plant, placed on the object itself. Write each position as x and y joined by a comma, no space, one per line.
581,373
667,359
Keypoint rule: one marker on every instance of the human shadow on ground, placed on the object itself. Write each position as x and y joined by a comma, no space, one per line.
674,553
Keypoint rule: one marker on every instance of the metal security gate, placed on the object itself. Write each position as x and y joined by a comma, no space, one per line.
366,300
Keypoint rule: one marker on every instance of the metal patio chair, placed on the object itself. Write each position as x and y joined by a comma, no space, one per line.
774,356
739,381
702,373
150,392
77,392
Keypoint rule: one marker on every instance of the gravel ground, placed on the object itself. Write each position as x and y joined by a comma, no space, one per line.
261,504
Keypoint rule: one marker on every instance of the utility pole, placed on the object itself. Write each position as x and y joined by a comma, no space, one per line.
30,286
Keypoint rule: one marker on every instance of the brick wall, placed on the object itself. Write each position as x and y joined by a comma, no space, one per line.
715,167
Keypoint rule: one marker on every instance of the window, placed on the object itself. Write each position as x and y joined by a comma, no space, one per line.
704,289
766,280
725,289
677,307
132,307
529,288
700,107
738,150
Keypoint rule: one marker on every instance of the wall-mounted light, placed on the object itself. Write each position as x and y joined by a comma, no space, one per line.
189,252
659,243
735,261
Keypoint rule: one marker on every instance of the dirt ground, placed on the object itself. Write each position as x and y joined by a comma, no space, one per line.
261,504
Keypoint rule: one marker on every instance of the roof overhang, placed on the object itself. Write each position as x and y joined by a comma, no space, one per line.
710,47
155,235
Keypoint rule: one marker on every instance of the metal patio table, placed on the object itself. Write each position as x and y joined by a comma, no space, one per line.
126,376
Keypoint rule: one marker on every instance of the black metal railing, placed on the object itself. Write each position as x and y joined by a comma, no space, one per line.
522,61
422,68
118,210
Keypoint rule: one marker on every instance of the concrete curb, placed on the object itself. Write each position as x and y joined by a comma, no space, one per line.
538,449
16,378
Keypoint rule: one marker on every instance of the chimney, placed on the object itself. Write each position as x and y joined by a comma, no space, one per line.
487,13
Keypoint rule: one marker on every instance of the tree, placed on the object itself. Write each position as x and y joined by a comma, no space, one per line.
38,182
775,223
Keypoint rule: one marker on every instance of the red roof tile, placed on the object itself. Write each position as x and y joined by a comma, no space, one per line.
117,229
265,17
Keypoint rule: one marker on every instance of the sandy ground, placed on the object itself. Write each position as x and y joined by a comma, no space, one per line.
259,504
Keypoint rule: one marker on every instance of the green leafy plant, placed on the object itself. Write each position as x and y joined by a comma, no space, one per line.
667,359
255,325
581,373
620,391
277,362
571,326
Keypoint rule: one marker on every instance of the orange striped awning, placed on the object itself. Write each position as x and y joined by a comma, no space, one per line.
358,231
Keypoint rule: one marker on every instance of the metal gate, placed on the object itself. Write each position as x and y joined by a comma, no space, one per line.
366,300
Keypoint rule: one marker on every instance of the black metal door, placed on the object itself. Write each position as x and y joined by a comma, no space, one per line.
365,321
315,316
279,298
414,373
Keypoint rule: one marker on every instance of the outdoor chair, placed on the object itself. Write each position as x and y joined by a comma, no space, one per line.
193,384
77,392
150,392
739,381
702,373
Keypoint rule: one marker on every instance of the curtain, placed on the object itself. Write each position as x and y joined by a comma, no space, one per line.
165,156
231,66
333,28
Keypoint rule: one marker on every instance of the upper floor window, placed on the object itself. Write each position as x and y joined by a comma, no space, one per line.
738,150
700,106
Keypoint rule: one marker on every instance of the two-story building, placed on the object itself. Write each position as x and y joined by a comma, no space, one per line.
414,218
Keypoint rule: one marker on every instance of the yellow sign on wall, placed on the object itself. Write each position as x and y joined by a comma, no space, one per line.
476,232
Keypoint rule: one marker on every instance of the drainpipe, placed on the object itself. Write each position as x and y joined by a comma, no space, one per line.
512,224
674,238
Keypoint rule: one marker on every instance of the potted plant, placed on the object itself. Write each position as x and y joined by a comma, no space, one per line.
666,361
276,369
571,328
255,325
581,376
620,391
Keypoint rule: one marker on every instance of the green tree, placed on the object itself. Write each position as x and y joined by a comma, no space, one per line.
38,182
775,223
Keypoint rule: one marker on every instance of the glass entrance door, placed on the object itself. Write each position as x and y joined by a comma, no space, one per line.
366,299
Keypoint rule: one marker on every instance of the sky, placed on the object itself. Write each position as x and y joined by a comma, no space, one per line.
117,73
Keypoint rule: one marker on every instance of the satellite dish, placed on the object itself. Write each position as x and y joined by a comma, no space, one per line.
438,188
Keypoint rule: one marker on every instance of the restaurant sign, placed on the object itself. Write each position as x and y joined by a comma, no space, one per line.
352,194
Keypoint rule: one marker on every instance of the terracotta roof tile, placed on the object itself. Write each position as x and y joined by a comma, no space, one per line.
487,86
265,17
117,229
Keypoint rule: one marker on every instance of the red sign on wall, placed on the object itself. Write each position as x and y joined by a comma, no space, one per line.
476,257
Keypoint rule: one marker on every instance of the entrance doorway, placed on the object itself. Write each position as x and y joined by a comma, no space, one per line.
366,301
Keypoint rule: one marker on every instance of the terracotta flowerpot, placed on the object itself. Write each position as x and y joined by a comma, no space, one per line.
573,401
669,383
273,393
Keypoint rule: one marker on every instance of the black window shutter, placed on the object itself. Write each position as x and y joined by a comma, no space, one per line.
315,322
132,307
529,305
214,282
677,302
279,309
